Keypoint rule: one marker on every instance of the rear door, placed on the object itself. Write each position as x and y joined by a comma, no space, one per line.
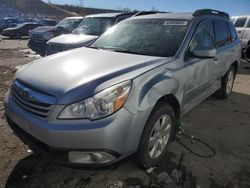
240,26
225,47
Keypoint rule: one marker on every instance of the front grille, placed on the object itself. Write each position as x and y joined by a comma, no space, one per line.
28,99
37,36
55,48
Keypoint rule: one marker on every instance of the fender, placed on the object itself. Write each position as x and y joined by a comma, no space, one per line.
155,86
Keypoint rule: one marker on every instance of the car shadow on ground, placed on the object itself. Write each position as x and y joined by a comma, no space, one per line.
244,68
36,171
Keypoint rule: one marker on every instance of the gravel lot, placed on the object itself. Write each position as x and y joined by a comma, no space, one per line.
220,159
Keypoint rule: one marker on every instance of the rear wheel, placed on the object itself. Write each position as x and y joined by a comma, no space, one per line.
227,82
156,136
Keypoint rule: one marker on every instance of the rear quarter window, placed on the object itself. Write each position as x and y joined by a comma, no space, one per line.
240,22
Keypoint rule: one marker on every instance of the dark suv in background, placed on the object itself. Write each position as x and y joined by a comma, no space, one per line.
20,30
40,36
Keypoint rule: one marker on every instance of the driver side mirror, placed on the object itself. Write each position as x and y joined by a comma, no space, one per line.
205,52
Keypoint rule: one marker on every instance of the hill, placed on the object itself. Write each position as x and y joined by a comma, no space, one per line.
31,8
40,9
84,10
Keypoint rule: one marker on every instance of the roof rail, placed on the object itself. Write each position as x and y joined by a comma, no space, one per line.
146,13
201,12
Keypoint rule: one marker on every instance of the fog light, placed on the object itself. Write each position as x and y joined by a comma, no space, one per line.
90,157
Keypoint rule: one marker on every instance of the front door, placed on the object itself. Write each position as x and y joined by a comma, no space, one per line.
198,72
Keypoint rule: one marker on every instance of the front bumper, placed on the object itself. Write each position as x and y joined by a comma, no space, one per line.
54,48
118,134
7,34
39,47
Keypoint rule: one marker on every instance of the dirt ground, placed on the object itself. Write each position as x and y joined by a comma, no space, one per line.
219,154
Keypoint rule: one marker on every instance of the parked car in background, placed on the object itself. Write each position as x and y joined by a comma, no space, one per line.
125,93
242,25
8,23
39,36
48,22
88,30
20,30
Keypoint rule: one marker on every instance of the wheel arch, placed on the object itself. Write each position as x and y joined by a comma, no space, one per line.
236,66
171,100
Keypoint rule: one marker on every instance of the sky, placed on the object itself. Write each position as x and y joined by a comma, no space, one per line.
233,7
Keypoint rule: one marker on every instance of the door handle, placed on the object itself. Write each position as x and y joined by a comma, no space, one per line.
215,59
239,31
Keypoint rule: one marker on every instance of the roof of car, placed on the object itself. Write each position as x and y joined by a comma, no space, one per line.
183,16
75,17
108,15
25,23
241,16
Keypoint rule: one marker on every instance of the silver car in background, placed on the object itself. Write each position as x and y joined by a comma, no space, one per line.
125,93
242,24
89,29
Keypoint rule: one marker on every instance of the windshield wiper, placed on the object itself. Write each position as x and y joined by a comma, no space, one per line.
116,49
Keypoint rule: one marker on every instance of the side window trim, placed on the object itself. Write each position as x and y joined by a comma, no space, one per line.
189,42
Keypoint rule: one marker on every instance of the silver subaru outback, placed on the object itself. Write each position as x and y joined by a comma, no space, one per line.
125,93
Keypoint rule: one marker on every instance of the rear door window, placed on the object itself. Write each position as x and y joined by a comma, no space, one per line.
240,22
221,32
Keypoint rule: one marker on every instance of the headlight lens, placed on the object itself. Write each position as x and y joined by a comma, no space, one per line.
48,35
100,105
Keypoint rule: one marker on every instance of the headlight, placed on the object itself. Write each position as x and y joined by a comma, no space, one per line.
48,35
100,105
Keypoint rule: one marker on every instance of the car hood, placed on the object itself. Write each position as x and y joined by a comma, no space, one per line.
45,29
75,74
9,29
72,39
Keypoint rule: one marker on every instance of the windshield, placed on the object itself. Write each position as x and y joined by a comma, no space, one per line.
20,26
94,26
154,37
69,24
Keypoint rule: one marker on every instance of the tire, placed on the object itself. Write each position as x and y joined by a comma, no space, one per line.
247,53
147,155
227,82
18,35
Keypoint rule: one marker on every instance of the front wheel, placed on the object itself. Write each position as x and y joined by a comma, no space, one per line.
156,136
227,82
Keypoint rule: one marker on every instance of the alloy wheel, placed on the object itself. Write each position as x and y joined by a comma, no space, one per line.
159,136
